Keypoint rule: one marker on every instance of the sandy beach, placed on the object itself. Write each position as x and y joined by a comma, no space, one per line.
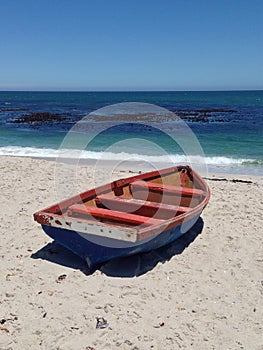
203,292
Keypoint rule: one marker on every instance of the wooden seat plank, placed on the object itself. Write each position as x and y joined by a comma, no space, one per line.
178,190
82,209
134,204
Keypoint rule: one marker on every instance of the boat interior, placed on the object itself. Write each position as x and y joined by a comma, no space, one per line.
145,199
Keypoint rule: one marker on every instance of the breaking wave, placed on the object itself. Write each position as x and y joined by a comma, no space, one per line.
49,153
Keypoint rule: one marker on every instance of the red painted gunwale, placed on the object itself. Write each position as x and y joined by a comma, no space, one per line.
54,213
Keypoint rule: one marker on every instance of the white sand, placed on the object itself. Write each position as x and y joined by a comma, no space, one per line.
207,296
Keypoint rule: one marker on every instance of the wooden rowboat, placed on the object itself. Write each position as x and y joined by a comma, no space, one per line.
128,216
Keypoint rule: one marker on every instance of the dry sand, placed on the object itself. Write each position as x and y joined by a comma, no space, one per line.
204,292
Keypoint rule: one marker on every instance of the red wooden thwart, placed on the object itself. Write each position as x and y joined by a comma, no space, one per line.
151,186
131,204
81,209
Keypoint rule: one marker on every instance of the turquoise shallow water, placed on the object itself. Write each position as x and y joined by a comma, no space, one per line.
228,126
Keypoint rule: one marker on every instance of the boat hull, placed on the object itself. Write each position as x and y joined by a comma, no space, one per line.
96,253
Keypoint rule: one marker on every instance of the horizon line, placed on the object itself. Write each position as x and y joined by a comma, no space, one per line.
124,90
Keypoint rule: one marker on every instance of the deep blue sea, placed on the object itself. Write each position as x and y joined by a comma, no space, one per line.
227,124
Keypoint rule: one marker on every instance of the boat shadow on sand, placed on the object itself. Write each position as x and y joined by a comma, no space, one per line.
130,266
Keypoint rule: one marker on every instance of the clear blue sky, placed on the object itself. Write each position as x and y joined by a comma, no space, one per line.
131,44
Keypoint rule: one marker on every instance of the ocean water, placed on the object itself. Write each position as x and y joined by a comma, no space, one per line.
228,127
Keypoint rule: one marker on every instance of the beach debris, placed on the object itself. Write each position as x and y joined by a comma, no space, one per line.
8,276
4,320
9,295
49,292
44,315
101,323
90,348
4,329
128,342
20,256
228,180
161,324
181,308
61,278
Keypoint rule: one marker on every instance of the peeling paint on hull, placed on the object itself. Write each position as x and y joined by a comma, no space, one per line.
96,254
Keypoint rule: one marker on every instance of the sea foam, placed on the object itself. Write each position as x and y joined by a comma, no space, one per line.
83,154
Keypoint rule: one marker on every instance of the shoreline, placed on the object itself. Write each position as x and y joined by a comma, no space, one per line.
138,166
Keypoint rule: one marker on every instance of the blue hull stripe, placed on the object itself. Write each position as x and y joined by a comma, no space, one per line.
96,254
